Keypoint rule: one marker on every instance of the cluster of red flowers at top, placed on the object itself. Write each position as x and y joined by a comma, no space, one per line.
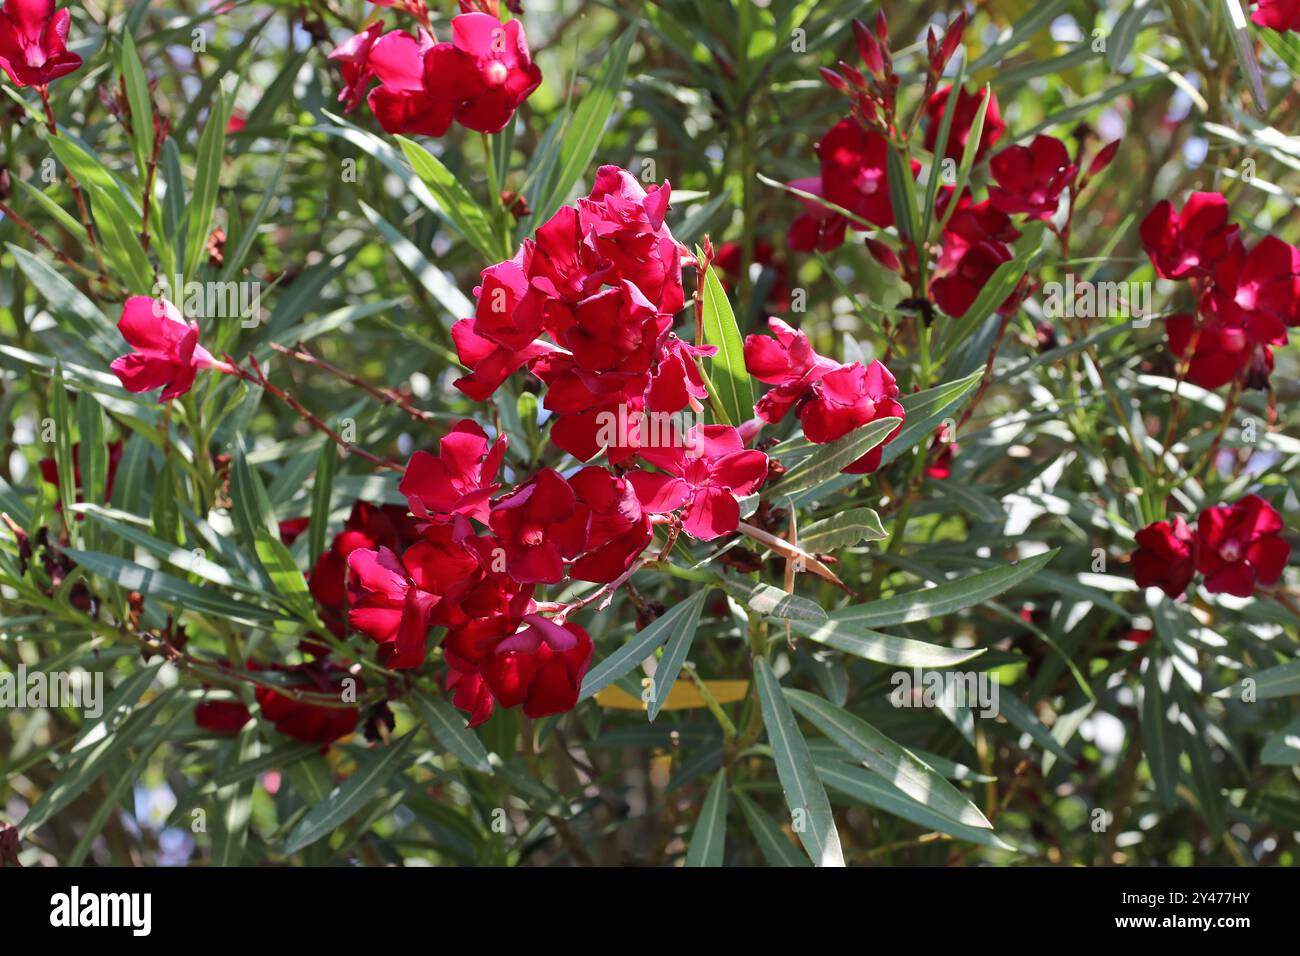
34,43
478,79
1246,297
853,177
1235,547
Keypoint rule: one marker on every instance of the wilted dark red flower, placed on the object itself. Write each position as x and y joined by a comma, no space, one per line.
1239,546
167,351
1164,557
221,716
1193,241
1030,178
34,42
963,117
306,721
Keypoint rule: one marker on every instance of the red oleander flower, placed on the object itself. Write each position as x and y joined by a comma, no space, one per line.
618,529
964,269
402,103
540,667
1030,178
34,42
1279,15
392,599
940,466
963,117
848,398
1262,286
221,716
306,721
1239,546
540,524
485,72
50,470
1189,243
702,475
459,480
368,526
1164,557
853,177
516,658
167,351
1222,349
787,361
353,58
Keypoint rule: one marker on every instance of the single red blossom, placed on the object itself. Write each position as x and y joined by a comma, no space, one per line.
1222,347
540,524
972,221
388,604
306,721
368,526
353,58
1164,557
50,470
846,399
1239,546
34,42
539,665
1137,636
964,269
787,360
1190,242
1262,286
402,103
702,475
677,382
459,479
618,530
1279,15
963,117
292,529
221,716
484,73
167,351
1030,178
853,177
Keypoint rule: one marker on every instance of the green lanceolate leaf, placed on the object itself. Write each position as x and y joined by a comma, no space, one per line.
733,390
810,810
906,771
709,838
676,620
828,460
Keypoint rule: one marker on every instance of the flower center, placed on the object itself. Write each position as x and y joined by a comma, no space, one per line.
496,73
1230,551
532,535
1233,340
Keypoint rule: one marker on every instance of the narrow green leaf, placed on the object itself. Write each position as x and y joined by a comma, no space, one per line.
373,772
207,181
904,769
827,461
670,665
732,388
709,838
1020,716
137,97
235,802
447,725
810,810
454,200
322,500
844,530
643,644
772,842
